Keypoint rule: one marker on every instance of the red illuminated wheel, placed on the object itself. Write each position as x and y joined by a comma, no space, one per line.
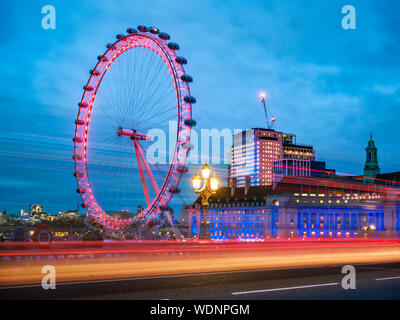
137,92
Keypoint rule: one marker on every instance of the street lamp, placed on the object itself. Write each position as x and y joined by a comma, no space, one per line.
205,187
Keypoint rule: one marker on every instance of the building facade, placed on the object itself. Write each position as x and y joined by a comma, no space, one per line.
277,189
262,153
253,154
323,208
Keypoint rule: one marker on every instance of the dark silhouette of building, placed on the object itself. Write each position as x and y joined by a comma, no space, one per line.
371,168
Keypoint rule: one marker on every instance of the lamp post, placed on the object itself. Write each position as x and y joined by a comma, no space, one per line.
205,187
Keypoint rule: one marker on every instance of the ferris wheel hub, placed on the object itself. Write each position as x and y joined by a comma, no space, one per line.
133,134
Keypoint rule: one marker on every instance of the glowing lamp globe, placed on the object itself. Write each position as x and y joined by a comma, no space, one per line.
214,183
196,181
262,95
205,171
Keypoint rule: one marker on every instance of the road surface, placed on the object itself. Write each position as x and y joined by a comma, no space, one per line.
373,281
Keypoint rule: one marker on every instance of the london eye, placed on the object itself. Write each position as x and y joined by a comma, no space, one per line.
137,87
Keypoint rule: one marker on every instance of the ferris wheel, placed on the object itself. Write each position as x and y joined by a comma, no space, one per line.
138,87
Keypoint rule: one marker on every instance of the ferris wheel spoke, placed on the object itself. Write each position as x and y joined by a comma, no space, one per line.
150,92
100,180
142,82
152,107
160,95
160,113
151,95
163,110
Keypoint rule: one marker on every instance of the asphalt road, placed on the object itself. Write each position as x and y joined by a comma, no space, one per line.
373,281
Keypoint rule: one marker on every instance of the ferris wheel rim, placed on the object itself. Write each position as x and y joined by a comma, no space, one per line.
166,51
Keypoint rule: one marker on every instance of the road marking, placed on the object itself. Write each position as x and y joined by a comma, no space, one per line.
389,278
287,288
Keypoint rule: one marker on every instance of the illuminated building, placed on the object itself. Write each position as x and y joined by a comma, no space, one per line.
265,155
304,200
24,214
315,207
253,154
3,217
36,209
69,214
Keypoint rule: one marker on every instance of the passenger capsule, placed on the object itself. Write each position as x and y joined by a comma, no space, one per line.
190,122
165,208
190,99
142,28
187,146
94,72
186,78
131,31
76,157
154,30
88,88
110,46
102,58
83,104
173,46
181,60
77,140
120,36
182,169
79,122
174,190
164,36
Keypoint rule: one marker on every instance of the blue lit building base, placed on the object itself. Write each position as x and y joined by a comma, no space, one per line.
286,218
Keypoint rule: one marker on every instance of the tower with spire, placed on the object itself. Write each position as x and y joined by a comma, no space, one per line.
371,168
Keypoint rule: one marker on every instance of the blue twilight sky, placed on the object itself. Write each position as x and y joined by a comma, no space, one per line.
328,85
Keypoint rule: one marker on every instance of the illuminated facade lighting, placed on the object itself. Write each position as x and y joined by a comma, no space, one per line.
265,155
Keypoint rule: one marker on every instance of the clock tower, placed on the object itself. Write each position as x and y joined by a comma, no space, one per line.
371,168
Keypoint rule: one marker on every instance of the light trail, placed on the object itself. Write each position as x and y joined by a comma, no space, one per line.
123,260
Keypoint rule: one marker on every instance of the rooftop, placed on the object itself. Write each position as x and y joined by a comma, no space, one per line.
335,185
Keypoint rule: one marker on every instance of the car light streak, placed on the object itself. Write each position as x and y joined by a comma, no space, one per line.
21,265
